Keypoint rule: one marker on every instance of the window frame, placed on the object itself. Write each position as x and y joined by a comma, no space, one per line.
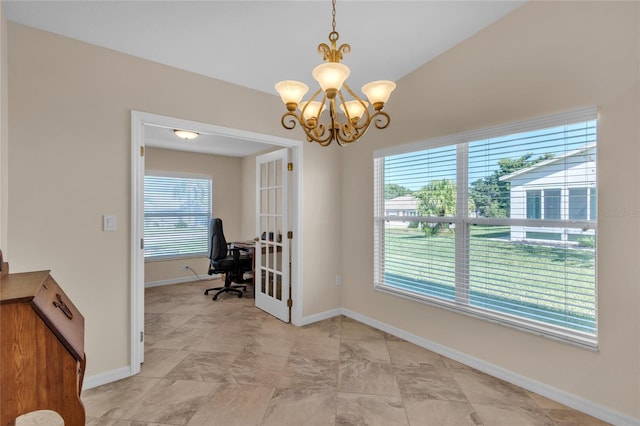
208,215
463,220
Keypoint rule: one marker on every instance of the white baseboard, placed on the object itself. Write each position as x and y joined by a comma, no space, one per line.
321,316
106,377
180,280
568,399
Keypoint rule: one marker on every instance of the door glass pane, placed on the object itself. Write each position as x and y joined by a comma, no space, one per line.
264,175
278,173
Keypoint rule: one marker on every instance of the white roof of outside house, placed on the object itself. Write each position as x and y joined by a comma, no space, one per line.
404,202
547,162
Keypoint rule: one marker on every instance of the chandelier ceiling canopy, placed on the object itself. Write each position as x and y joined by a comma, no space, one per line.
329,115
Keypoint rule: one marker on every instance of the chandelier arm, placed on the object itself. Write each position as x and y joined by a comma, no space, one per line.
344,48
381,119
361,124
312,122
317,134
289,119
344,104
325,51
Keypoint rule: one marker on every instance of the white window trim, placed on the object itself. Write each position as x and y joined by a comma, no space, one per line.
460,221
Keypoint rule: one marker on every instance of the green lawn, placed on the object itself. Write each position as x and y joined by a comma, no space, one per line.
554,282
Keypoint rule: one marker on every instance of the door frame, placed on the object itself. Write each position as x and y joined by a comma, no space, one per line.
138,120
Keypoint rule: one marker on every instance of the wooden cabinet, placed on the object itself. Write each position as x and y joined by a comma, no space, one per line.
42,358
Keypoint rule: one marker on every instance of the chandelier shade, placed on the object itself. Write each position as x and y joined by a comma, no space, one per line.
354,109
347,116
331,76
291,92
311,110
378,92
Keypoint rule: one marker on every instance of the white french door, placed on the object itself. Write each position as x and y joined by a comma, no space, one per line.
272,251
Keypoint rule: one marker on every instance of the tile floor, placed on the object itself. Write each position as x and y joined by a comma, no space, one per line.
227,363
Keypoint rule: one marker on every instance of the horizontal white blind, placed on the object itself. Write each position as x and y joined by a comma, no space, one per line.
177,209
502,227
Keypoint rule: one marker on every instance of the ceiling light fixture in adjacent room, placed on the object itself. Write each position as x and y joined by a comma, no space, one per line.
185,134
351,120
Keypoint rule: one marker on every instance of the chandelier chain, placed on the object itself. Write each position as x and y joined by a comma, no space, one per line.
333,14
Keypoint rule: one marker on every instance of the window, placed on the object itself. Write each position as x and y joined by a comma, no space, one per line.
177,208
534,204
522,249
552,204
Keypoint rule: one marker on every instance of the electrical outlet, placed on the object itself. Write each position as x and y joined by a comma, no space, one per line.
338,280
186,267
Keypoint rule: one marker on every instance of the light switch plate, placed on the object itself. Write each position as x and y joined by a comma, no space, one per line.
109,222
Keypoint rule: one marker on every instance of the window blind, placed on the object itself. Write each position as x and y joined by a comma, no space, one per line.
177,208
499,224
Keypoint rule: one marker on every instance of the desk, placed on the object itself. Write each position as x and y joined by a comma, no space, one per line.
250,247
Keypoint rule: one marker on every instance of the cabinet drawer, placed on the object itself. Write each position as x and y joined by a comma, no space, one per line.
61,316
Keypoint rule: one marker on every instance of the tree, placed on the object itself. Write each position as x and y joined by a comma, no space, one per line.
438,198
393,190
491,195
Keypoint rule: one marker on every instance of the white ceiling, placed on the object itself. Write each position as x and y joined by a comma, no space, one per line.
258,43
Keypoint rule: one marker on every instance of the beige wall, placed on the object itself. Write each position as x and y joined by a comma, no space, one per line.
545,57
226,175
4,131
70,164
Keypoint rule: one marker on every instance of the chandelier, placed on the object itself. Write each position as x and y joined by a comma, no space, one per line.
347,118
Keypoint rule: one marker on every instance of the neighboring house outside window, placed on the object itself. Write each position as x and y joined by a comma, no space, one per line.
561,188
177,208
405,205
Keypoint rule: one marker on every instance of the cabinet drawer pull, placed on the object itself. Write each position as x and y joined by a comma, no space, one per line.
63,307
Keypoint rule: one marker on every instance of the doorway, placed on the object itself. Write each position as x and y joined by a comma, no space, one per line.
139,122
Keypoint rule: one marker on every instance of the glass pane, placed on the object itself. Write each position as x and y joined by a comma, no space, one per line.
264,175
279,229
421,183
421,259
272,174
264,201
278,173
278,286
552,204
578,203
272,201
552,282
278,201
270,283
534,205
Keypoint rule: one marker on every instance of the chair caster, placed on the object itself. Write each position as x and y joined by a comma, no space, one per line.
239,295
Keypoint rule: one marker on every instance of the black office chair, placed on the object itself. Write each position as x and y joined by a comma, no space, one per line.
233,262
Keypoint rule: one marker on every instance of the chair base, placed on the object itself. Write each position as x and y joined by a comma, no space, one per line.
229,289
